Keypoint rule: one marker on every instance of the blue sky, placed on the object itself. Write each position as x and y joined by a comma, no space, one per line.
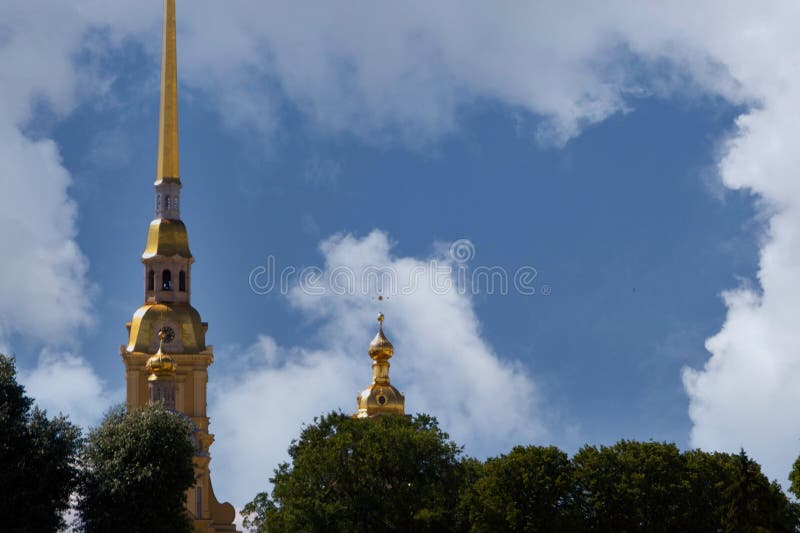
643,175
621,224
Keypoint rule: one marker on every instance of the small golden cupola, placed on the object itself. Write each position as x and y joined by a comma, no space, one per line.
162,369
380,398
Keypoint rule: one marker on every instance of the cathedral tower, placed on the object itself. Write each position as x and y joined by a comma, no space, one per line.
167,322
380,398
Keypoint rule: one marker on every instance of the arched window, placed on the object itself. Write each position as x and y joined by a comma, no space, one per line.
151,281
166,203
166,280
182,281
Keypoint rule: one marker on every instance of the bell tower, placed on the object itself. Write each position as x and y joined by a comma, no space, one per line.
167,322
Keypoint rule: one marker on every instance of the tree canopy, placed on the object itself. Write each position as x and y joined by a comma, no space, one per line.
404,474
632,486
755,504
530,489
137,469
38,469
794,478
392,473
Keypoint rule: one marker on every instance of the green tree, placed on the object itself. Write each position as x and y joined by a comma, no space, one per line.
632,486
532,489
37,460
471,472
709,475
650,486
137,469
755,504
392,473
794,478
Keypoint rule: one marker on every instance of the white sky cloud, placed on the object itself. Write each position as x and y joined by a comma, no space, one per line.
64,383
45,293
441,364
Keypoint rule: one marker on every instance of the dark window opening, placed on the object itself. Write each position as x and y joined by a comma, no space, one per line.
166,203
199,502
166,280
182,281
151,281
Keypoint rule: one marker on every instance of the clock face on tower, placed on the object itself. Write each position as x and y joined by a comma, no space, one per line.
169,335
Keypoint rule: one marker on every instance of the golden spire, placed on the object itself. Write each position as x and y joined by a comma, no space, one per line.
380,398
168,157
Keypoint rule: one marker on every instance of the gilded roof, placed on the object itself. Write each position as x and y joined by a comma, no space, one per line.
191,329
167,237
380,399
380,347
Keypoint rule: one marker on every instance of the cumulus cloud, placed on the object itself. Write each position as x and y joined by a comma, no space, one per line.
739,397
65,383
43,290
388,71
45,294
383,69
441,363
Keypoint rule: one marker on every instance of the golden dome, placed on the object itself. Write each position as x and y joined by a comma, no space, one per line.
380,399
380,347
161,365
190,333
167,238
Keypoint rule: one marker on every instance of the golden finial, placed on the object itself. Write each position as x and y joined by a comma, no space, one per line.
161,365
380,347
162,334
168,153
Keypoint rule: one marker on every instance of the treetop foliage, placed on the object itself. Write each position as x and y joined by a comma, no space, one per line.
137,467
391,473
404,474
38,469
